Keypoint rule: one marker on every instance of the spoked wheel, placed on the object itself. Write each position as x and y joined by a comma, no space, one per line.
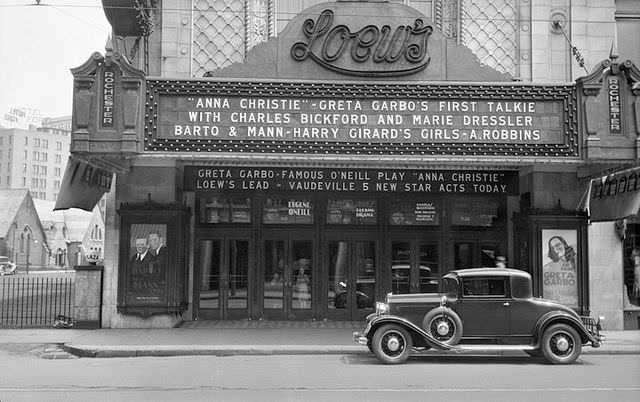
561,344
392,344
444,325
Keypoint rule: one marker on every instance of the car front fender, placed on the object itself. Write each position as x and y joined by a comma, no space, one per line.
560,316
415,330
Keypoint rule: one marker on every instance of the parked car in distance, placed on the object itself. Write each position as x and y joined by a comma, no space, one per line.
7,267
478,309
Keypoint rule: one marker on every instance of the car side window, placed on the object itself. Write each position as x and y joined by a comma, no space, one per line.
483,287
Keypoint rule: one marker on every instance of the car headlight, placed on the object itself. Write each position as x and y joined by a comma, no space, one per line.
381,308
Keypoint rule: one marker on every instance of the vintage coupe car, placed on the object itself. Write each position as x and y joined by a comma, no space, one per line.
7,267
478,309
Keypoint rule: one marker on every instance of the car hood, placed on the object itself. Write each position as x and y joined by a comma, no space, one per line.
414,298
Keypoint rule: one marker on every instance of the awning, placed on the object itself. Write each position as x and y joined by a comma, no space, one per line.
616,196
82,185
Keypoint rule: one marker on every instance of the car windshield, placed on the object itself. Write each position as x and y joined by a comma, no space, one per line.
449,285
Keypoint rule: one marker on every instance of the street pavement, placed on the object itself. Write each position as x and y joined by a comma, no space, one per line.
223,338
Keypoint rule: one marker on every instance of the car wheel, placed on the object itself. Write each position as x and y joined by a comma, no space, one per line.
561,344
443,324
392,344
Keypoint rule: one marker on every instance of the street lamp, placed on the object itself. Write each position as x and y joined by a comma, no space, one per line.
13,242
35,241
28,250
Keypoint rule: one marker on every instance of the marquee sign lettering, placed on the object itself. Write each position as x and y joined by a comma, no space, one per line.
329,46
274,179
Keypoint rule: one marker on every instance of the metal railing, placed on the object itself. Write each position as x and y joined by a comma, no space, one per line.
34,301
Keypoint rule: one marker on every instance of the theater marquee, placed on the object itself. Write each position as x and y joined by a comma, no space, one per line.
204,116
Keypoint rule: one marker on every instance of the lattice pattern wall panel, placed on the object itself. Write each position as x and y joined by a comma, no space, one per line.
489,29
218,34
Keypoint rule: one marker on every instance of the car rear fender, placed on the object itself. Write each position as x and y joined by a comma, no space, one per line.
413,329
562,317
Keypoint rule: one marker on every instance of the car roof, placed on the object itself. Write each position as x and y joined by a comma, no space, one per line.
488,272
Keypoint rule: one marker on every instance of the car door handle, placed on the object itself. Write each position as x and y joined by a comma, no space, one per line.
506,304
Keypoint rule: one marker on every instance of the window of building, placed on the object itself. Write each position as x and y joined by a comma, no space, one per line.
36,156
58,158
24,168
44,156
56,172
631,266
43,183
288,211
225,210
473,212
24,182
426,212
26,141
43,170
34,183
35,169
56,184
58,147
349,211
45,144
8,181
43,196
25,154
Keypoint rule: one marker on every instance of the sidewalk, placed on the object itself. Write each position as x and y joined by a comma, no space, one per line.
223,338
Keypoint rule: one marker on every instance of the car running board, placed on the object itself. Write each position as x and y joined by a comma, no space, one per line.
484,348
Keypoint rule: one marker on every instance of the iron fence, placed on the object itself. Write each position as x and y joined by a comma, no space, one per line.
35,301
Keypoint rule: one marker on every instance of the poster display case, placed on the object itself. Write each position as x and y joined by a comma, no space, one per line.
153,269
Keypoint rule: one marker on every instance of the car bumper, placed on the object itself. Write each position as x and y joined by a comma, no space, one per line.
360,338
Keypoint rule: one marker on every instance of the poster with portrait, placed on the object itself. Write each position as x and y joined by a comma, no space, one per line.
560,266
147,263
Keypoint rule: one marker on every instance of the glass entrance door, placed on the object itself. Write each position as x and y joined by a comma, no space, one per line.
415,265
287,285
350,278
223,289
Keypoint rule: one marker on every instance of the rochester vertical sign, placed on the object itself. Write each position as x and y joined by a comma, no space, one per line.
615,105
108,97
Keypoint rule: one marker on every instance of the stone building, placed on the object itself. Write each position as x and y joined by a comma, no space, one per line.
299,160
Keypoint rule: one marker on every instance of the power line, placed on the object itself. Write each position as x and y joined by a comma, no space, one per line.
227,10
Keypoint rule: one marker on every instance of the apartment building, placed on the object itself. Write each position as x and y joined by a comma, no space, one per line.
35,158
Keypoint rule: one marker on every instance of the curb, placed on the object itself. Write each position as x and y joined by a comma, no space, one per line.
269,350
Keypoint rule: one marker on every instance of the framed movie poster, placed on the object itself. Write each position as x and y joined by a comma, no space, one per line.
147,265
152,271
560,266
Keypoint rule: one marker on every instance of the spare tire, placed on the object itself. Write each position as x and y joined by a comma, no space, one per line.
443,324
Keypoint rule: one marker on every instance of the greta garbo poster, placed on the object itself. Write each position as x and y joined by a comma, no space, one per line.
560,266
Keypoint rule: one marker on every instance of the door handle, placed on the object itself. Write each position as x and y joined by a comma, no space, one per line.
506,304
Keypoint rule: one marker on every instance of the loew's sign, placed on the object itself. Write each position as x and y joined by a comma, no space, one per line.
274,179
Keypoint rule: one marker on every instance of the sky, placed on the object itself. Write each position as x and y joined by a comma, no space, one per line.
39,44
